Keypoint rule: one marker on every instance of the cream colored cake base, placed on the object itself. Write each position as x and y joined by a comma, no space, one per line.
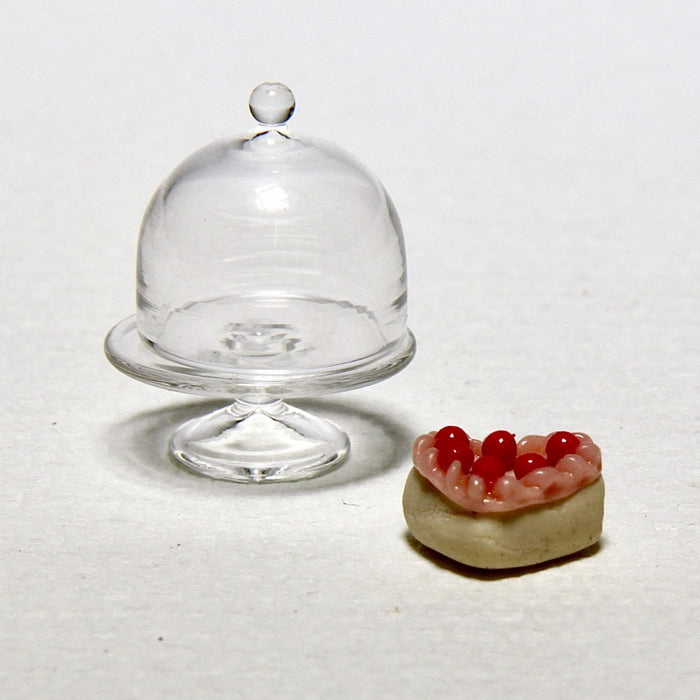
503,540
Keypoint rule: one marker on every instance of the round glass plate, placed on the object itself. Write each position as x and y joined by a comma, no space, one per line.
131,354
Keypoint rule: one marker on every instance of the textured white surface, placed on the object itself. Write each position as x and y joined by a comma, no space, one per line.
544,160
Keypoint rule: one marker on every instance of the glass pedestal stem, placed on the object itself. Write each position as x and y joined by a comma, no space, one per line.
259,441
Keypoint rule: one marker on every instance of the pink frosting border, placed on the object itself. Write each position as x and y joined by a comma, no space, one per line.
540,486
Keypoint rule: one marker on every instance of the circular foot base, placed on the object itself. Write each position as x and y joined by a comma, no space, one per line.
259,443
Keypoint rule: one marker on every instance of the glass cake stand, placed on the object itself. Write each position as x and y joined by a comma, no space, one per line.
270,267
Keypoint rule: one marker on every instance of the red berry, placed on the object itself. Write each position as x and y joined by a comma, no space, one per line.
453,443
559,444
490,469
528,462
500,444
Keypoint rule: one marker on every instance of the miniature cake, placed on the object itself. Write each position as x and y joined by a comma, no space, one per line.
500,503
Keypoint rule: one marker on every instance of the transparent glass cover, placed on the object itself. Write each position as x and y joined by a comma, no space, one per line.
272,252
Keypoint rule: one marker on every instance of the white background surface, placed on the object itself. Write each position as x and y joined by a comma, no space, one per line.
544,159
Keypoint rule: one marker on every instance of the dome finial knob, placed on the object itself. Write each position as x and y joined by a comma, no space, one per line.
272,104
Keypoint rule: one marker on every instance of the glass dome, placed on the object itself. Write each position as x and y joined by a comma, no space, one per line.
272,252
269,266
